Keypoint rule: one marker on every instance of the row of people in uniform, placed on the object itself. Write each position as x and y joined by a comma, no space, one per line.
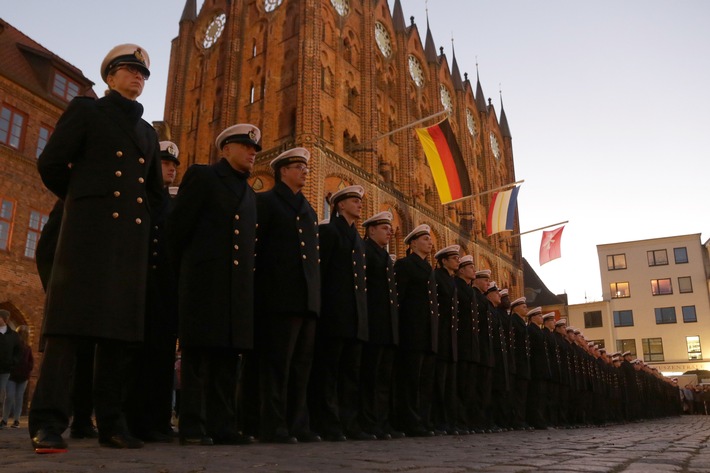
316,328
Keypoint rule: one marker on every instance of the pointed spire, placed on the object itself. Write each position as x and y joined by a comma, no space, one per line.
503,123
480,98
189,13
429,47
398,17
455,74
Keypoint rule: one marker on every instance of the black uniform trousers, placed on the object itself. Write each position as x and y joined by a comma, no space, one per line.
484,386
445,400
466,377
519,403
334,387
537,395
52,401
285,359
208,397
415,390
376,388
83,384
149,403
553,403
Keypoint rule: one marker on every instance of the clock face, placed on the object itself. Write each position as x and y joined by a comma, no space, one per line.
383,39
416,71
341,6
271,5
470,123
494,147
214,30
446,99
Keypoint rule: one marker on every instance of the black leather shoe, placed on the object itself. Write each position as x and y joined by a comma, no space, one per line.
121,440
361,436
287,439
335,437
309,437
205,441
383,436
84,432
421,432
48,440
396,434
234,439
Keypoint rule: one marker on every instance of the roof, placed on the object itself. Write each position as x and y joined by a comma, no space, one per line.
29,64
536,293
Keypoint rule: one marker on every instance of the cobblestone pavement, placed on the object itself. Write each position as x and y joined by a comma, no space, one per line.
666,445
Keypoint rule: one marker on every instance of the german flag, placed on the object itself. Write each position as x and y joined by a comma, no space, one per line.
446,162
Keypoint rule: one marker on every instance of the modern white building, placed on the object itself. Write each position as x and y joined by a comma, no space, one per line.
656,302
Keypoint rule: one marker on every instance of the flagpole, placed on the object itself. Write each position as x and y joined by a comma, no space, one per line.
507,186
536,229
438,114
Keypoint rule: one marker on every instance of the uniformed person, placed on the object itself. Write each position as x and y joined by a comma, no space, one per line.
288,300
484,384
102,161
467,343
521,340
539,371
445,400
343,325
149,406
500,387
378,353
418,334
211,235
554,357
565,372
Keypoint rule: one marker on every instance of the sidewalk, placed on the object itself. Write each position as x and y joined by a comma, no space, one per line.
666,445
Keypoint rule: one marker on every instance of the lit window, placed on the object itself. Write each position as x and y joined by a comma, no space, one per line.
661,287
12,127
593,319
42,139
616,262
623,318
685,284
689,314
7,212
625,345
619,290
665,315
64,87
657,257
681,255
37,221
694,350
652,349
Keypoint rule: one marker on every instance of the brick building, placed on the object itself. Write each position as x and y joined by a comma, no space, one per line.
35,88
333,76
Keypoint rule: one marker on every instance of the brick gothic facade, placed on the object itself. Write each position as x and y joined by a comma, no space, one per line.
311,73
35,88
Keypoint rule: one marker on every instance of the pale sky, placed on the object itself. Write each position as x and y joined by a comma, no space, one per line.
607,103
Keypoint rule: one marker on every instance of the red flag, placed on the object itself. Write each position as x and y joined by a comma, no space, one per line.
550,245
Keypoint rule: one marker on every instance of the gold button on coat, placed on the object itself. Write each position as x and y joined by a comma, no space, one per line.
141,160
139,200
118,173
141,180
139,221
119,154
114,215
116,194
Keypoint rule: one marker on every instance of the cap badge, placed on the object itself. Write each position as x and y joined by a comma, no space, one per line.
139,55
252,135
171,150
